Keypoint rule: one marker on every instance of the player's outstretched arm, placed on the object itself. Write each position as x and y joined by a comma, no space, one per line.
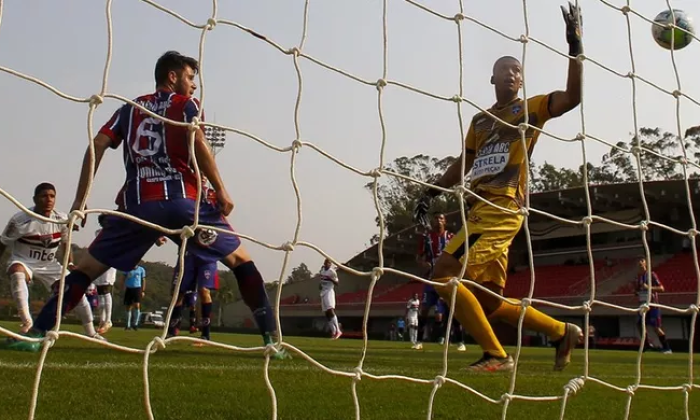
102,143
561,102
207,164
454,174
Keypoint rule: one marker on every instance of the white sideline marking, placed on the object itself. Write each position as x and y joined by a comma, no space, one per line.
242,368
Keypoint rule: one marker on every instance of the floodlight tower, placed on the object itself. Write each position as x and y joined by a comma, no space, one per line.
216,137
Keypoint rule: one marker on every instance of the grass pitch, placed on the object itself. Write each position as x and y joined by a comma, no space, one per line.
86,381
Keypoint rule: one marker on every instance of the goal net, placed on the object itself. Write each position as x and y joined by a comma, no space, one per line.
457,16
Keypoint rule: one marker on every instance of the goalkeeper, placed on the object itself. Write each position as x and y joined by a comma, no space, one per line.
495,154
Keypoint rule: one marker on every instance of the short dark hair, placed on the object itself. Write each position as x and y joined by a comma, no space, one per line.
173,61
502,59
101,219
43,187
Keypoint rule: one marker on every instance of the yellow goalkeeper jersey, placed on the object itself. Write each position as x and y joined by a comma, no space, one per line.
499,155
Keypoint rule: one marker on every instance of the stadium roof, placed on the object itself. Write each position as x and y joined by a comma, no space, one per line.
665,200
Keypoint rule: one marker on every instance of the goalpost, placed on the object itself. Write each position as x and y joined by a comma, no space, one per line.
381,82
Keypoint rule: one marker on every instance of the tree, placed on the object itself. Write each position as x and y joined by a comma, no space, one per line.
550,178
620,166
299,273
397,196
224,297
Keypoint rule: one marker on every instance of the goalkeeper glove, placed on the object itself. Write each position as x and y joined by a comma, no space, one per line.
420,213
573,29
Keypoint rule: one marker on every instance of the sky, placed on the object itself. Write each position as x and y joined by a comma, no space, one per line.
251,86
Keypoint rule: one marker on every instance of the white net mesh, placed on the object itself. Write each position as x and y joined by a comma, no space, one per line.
296,53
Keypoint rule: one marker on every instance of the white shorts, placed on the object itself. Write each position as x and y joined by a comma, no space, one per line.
47,275
328,300
107,279
412,320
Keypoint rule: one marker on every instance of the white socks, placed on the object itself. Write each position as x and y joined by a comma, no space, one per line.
333,324
85,314
101,308
105,308
414,335
20,293
334,321
108,308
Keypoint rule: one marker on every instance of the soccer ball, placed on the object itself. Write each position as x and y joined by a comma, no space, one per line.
672,38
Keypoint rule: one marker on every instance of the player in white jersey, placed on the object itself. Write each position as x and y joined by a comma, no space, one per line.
35,244
329,279
412,309
104,285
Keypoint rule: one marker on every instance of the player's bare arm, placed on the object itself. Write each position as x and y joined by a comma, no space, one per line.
207,164
561,102
453,175
102,143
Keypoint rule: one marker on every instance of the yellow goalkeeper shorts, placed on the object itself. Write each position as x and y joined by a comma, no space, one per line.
491,231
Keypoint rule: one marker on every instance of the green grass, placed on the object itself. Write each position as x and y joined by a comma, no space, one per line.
86,381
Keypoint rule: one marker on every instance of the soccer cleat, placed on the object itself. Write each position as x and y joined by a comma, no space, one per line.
441,341
566,345
490,363
20,345
104,327
193,329
667,351
418,346
97,336
201,344
461,347
282,354
337,335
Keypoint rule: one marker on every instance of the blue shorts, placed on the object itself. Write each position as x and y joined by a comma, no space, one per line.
653,317
197,274
432,298
122,244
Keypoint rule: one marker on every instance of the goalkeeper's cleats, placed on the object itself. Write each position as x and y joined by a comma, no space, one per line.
566,345
490,363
